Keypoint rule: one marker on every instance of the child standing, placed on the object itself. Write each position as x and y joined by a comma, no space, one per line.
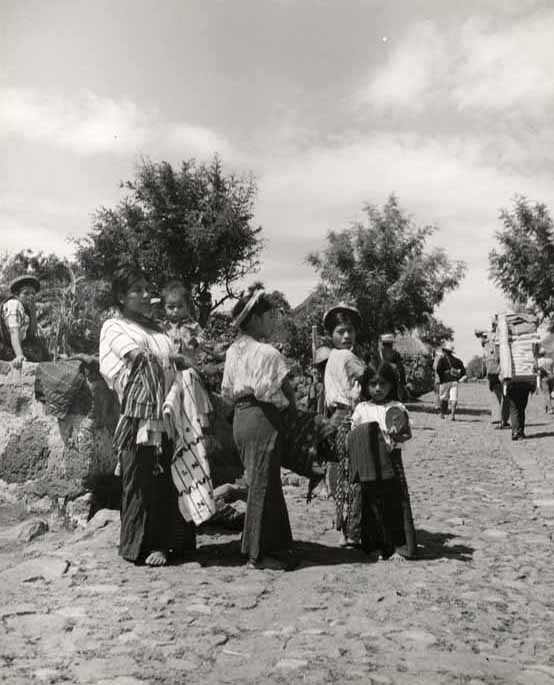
379,425
343,372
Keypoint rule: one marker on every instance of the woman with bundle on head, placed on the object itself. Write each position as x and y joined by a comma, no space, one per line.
256,380
380,424
343,372
138,362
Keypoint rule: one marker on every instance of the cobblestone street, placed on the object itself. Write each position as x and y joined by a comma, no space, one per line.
476,607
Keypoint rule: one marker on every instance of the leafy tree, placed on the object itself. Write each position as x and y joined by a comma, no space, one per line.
193,223
435,333
384,267
523,264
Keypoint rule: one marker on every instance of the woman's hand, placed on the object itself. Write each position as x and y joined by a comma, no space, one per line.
17,363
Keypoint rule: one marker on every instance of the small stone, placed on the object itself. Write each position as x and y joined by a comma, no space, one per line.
42,568
47,675
421,637
78,510
103,518
32,529
543,502
199,609
17,610
495,533
291,664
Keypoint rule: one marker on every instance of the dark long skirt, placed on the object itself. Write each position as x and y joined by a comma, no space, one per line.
387,523
150,517
256,428
348,495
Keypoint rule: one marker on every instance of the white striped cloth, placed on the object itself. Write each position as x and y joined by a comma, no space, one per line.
118,337
189,466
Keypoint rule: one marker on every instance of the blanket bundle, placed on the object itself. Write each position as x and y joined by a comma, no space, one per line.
189,465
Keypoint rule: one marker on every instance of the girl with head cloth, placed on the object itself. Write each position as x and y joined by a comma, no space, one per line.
343,373
255,379
137,360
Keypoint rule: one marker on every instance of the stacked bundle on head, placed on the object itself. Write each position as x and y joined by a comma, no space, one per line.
518,341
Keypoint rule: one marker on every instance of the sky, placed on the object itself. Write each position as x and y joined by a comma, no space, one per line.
331,104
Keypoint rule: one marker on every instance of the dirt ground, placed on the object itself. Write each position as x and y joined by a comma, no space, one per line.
476,607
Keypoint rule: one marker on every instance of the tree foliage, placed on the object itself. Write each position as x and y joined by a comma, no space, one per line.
434,332
523,264
384,266
193,223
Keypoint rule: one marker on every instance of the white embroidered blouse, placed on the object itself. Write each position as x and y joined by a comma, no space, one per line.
366,412
254,368
342,373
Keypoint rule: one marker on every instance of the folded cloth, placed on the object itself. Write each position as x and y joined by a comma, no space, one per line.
189,466
197,403
307,439
62,387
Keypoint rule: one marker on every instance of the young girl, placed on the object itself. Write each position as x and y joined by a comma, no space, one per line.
378,427
342,388
256,380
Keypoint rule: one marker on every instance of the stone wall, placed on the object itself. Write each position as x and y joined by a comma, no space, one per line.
49,455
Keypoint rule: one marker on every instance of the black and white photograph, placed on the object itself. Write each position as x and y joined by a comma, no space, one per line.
277,342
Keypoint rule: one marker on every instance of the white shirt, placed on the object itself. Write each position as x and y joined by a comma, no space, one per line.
254,368
342,373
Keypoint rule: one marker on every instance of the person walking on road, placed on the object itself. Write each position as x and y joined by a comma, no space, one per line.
451,371
391,356
546,373
500,406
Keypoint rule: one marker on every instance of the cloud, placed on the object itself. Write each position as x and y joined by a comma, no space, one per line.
407,77
91,125
478,66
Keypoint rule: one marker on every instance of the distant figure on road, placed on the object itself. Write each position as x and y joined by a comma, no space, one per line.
450,371
546,373
391,356
500,406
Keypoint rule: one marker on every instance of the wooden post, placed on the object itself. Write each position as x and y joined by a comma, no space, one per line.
314,343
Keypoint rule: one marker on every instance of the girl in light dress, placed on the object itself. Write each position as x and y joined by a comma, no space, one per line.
379,426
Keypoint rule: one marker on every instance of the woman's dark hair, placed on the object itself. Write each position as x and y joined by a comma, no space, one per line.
122,280
383,372
340,319
264,304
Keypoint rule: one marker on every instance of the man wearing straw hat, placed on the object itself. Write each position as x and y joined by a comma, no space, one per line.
19,341
450,371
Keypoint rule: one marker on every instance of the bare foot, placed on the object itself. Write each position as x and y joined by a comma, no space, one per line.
269,563
156,558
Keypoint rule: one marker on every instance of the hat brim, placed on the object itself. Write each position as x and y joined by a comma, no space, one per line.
347,309
21,281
